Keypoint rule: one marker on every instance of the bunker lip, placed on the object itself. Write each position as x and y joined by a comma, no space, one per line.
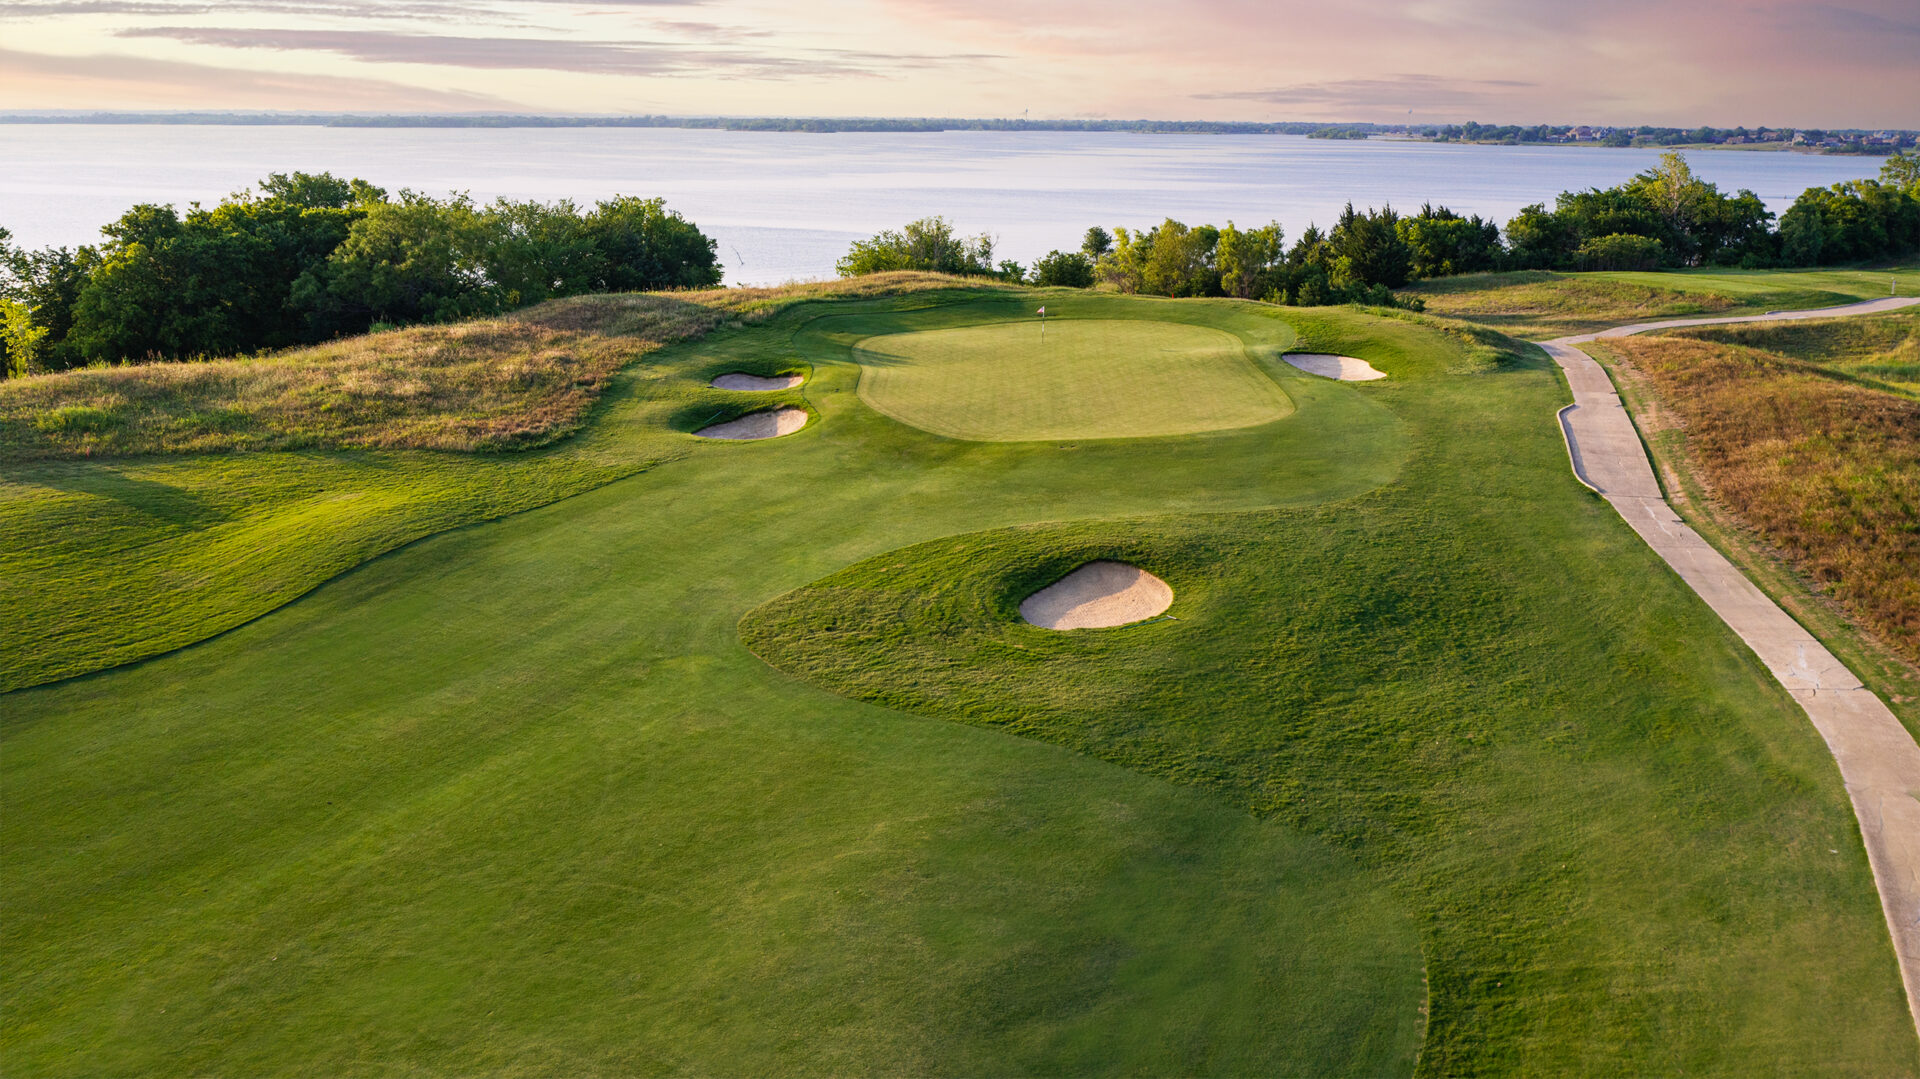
756,425
1328,365
1098,595
745,383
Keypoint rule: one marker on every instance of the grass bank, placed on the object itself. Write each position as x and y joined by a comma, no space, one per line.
115,558
1539,304
1882,351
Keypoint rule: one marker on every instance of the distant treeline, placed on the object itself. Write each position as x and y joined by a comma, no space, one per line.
1665,217
1841,140
813,124
308,258
1850,140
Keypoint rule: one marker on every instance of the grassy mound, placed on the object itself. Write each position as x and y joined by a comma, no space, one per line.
527,379
1538,304
1883,350
1086,377
113,559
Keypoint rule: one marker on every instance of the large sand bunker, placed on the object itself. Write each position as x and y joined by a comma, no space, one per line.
755,383
770,424
1098,594
1327,365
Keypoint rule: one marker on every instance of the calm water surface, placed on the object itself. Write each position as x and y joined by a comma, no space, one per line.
785,206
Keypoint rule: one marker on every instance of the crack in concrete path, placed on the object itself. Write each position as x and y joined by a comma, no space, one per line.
1879,761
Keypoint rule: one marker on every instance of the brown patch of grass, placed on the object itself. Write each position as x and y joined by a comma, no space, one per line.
522,380
1880,349
1538,301
1824,470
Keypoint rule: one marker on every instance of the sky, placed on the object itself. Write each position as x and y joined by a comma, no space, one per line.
1851,63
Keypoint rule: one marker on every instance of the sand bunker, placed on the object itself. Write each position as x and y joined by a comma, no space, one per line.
756,384
771,424
1098,594
1327,365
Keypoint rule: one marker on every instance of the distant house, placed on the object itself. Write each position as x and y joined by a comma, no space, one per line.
1735,140
1799,139
1579,133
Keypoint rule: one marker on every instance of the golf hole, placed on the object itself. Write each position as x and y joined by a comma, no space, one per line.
1096,596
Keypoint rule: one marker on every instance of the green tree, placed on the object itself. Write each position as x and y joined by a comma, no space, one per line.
926,244
1619,252
216,282
1125,266
20,339
643,245
411,260
1902,170
1540,239
1063,269
536,251
1180,261
1441,243
1252,262
1096,243
1372,249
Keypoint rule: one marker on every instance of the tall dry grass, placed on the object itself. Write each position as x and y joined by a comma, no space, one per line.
1540,302
1884,349
522,380
1825,470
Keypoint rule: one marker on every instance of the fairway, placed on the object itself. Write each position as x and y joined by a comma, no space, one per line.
745,762
1085,378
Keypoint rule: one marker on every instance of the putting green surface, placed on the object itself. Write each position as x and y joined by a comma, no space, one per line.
1082,378
745,764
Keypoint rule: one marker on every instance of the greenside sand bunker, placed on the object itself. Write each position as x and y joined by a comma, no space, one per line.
1327,365
743,383
1098,595
1085,378
771,423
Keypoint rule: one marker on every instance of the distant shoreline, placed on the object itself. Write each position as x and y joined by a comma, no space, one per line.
1848,141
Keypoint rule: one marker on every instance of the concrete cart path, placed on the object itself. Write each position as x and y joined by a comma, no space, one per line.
1879,761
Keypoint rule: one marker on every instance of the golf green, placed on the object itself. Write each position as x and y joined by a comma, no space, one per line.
746,764
1069,378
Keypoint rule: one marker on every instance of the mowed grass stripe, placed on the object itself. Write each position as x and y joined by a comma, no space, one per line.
1084,378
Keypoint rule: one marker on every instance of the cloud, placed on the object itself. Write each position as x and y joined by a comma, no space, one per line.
1423,92
629,58
35,80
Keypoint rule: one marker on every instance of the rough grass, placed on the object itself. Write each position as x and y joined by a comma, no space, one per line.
1824,470
1883,350
514,800
527,379
1540,304
1089,377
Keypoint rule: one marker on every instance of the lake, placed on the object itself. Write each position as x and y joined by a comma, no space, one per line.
784,206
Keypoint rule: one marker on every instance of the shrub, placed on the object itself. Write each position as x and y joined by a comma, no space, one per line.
77,419
927,244
1064,269
1619,251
